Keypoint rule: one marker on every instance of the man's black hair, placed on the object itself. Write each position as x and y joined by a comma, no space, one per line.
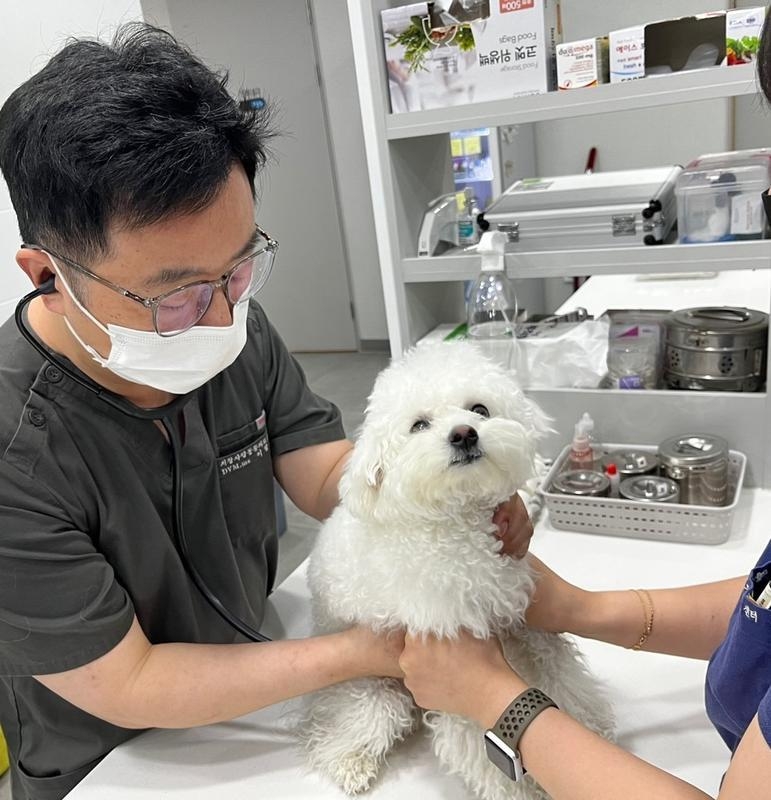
130,133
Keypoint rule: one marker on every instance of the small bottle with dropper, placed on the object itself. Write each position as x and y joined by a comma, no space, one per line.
581,454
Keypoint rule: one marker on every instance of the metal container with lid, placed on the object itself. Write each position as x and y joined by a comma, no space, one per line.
699,464
649,489
718,348
631,462
582,482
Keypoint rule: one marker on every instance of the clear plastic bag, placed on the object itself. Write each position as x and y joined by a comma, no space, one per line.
562,355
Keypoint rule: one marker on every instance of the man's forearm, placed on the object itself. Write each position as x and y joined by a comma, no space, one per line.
689,621
184,685
139,685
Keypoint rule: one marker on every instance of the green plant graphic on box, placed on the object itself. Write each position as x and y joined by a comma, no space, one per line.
741,51
418,42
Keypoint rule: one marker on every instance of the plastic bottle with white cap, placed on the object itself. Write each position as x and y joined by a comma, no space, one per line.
581,454
492,304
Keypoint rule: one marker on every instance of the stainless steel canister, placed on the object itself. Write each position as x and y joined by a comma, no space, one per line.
631,462
716,349
649,489
582,482
699,464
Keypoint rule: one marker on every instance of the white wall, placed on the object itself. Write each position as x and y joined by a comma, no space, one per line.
335,51
30,34
341,99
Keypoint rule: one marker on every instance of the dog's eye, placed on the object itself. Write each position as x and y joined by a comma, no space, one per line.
420,425
478,408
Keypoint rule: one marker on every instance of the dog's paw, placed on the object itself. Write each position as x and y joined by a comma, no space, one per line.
355,772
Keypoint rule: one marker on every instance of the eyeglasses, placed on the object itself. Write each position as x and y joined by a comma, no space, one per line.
178,310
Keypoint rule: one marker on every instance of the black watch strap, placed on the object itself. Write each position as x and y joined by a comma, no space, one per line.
502,740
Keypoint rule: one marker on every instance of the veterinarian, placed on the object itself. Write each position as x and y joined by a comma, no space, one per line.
147,406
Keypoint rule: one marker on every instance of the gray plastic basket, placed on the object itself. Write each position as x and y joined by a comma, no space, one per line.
670,522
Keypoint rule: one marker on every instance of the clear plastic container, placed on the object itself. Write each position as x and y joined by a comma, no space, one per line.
718,197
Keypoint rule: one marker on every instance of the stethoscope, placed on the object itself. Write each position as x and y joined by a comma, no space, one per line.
165,417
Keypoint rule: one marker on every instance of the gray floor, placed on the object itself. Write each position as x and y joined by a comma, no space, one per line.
345,379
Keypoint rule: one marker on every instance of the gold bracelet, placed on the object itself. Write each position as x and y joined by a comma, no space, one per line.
647,604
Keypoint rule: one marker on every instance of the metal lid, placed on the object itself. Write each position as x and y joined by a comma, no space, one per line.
693,450
581,482
719,319
631,462
649,488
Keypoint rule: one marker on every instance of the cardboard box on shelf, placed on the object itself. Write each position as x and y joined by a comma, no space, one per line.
453,52
626,49
582,63
716,38
686,43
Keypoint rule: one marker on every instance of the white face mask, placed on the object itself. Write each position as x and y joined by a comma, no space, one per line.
176,364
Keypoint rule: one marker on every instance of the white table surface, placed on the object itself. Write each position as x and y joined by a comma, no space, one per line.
658,699
750,288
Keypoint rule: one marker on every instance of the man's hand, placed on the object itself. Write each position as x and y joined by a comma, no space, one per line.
514,526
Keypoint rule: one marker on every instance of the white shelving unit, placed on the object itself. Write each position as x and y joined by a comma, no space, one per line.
409,164
680,87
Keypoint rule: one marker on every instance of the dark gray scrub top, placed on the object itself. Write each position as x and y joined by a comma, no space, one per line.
86,534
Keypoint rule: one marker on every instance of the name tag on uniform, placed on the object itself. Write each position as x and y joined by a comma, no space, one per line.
253,445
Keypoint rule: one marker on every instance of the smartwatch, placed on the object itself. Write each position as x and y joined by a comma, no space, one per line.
502,739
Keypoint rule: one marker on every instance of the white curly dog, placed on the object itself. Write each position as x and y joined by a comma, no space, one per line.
447,436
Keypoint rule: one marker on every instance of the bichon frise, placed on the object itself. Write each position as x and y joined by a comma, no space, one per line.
447,436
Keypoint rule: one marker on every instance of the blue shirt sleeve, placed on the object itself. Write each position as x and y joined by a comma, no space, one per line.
764,717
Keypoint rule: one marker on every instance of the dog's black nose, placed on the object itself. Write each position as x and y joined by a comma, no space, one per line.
464,437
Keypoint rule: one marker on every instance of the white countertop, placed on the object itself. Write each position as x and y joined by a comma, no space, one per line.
658,699
750,288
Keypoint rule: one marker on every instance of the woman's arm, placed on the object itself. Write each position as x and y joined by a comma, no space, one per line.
469,676
690,621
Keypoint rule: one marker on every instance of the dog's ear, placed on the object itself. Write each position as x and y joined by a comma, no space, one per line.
363,476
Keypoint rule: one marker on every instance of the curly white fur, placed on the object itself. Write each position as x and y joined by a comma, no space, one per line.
412,545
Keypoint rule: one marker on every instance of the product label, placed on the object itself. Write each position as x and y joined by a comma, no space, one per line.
743,29
627,54
746,214
528,184
577,64
630,382
515,5
505,56
466,232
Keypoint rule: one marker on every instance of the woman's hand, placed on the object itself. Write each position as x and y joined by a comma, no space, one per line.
461,675
514,526
377,654
557,605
